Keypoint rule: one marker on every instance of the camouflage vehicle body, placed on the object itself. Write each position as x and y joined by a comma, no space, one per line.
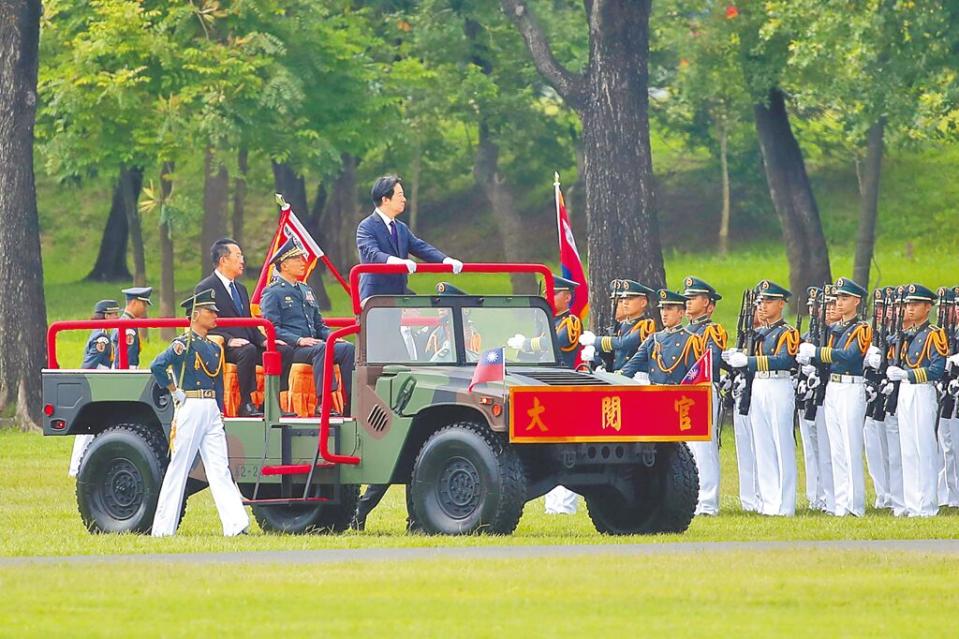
402,412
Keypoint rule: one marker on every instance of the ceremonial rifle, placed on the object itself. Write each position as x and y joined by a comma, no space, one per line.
819,333
947,321
873,376
609,359
745,342
892,401
802,387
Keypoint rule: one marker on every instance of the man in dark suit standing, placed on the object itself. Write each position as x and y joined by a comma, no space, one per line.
383,239
243,346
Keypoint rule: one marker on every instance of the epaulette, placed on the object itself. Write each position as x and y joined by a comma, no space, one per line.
788,338
717,334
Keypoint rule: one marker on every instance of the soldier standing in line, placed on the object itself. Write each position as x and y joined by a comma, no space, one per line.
844,407
701,300
745,446
948,423
196,385
632,329
138,301
773,401
97,355
667,355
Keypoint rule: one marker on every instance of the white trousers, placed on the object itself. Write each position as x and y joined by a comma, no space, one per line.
746,462
771,415
818,463
561,501
894,447
949,472
199,428
845,410
80,443
706,455
917,421
877,460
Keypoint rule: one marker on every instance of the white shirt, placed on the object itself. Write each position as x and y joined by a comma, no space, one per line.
227,283
387,220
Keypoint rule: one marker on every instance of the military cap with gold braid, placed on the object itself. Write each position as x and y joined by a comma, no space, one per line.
695,286
846,286
632,288
667,297
563,284
141,293
445,288
106,306
290,248
919,293
204,299
768,288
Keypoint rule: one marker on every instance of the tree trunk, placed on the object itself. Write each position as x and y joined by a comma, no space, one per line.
341,215
111,264
869,204
216,194
612,100
239,194
416,170
131,181
292,186
23,315
792,196
724,167
168,306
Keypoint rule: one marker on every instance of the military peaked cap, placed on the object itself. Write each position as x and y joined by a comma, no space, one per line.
290,248
846,286
667,297
563,284
695,286
445,288
768,288
106,306
204,299
919,293
141,293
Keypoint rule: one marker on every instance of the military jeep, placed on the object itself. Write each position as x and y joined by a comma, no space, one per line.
470,459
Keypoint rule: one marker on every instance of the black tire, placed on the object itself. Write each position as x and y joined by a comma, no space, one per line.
120,476
467,479
664,498
296,519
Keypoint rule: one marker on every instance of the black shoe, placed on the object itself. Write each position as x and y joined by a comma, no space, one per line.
249,410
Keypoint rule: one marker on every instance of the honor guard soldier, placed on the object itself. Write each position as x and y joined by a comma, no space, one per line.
97,355
191,368
701,301
948,422
137,303
773,401
667,355
567,326
923,352
844,407
293,308
633,327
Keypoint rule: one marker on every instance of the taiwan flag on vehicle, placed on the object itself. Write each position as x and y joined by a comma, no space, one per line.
702,371
490,368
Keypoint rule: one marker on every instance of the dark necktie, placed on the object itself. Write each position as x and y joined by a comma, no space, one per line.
396,240
235,294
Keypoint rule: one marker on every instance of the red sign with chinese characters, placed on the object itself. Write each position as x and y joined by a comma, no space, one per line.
541,414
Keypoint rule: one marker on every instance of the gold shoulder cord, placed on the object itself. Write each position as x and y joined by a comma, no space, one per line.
201,364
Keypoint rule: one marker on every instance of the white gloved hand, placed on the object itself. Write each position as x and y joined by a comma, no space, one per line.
737,360
803,359
887,388
455,263
952,360
808,370
517,341
587,338
178,396
896,374
807,350
726,354
725,384
588,353
871,393
812,382
409,264
873,358
739,385
953,388
642,378
600,369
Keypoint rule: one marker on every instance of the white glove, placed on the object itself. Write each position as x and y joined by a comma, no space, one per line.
873,358
588,353
871,393
953,388
726,354
178,396
456,264
951,361
807,350
739,385
725,384
737,360
642,378
896,374
802,359
812,382
887,389
409,264
587,338
600,369
809,370
516,341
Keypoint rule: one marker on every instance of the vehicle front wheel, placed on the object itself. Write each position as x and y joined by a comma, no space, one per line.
467,479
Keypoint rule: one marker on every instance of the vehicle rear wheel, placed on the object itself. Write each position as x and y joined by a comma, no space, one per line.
467,479
663,501
299,519
119,480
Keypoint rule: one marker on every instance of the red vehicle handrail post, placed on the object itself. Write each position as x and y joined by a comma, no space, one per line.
324,444
473,267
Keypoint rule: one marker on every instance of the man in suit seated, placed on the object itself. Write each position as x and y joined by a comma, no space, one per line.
243,346
293,308
383,239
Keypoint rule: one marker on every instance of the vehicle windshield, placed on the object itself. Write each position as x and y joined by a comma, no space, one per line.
425,335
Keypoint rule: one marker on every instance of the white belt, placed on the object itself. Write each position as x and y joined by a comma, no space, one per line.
906,381
838,378
773,374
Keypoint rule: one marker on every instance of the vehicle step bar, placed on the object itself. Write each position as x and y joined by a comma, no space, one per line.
286,501
294,469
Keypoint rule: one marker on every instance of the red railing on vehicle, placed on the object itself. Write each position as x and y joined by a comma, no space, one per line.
477,267
271,358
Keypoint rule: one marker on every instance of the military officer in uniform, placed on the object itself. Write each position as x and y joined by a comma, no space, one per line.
633,327
844,408
292,307
949,424
701,300
667,355
191,368
567,326
97,355
924,352
773,401
137,303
